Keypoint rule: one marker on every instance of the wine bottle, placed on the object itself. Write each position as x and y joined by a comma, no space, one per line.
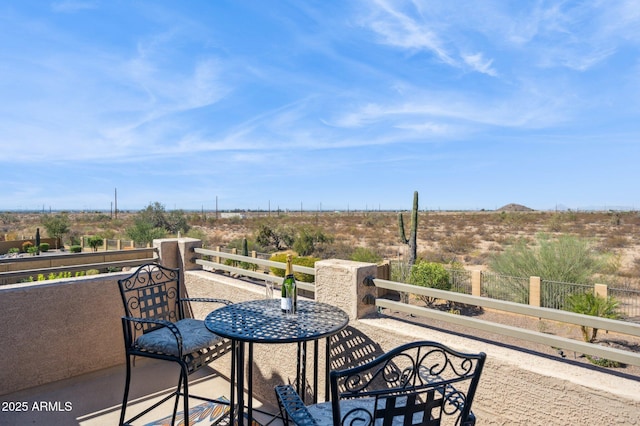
288,302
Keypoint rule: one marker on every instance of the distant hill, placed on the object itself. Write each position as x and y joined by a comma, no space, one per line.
514,208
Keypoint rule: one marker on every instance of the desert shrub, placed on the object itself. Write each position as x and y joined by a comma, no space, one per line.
459,244
237,244
338,250
26,246
276,235
308,238
364,254
199,234
302,261
591,304
44,246
555,223
436,256
13,250
567,258
75,249
432,275
32,250
615,241
603,362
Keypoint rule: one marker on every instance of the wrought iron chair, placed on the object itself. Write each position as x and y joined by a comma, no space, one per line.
155,326
419,383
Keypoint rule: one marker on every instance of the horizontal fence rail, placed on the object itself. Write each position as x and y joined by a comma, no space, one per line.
76,268
613,354
253,260
16,269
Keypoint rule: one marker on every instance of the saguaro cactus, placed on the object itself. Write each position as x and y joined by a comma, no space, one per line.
245,247
38,241
413,236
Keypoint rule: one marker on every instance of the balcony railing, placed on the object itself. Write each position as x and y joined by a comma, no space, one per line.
521,308
43,342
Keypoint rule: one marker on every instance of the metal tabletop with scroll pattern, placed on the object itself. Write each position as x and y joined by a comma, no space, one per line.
262,321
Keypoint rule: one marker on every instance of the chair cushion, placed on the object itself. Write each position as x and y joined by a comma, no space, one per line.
323,415
195,336
360,410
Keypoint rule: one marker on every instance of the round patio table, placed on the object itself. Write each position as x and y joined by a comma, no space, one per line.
262,321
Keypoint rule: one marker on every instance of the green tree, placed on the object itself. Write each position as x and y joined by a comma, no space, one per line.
154,222
432,275
176,221
95,242
144,232
564,259
278,236
307,238
154,214
56,225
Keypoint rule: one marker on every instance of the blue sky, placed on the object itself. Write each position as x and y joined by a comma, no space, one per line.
324,104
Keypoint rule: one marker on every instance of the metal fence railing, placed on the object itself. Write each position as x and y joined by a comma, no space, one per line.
624,356
460,280
628,301
505,287
554,294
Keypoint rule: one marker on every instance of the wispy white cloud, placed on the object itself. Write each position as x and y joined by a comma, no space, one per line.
478,63
399,29
189,97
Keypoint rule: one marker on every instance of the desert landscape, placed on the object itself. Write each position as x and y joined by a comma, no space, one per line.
470,238
467,237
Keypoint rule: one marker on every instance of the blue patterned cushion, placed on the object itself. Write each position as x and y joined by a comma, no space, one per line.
194,336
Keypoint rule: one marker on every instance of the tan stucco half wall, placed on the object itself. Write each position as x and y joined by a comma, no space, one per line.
516,388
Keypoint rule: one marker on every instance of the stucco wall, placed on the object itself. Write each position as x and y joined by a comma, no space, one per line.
56,330
51,331
516,388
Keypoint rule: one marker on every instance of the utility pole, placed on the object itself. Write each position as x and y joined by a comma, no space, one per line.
116,202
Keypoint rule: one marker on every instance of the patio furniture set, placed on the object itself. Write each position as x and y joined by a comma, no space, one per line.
418,383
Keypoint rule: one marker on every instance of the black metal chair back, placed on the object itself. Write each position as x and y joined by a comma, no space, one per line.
419,383
151,292
154,326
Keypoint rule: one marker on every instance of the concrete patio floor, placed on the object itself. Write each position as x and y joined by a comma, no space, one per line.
95,399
